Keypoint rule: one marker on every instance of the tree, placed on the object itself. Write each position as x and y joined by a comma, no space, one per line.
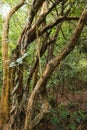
16,95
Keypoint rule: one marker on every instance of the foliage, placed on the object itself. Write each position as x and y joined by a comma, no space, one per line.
65,119
73,68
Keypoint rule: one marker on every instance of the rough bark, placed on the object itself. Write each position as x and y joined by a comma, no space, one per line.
53,64
43,93
5,102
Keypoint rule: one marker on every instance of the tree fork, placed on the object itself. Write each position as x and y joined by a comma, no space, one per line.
53,64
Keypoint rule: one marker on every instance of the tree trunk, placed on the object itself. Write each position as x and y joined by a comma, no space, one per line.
5,98
5,87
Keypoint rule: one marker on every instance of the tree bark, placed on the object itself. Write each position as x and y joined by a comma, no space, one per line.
53,64
5,98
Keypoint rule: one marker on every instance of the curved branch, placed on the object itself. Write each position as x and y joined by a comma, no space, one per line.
7,19
31,35
54,63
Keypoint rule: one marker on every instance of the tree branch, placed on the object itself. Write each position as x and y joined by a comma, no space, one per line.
54,63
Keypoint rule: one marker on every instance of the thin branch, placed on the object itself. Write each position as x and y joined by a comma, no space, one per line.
63,34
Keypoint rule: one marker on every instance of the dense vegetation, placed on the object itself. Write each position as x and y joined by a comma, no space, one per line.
43,65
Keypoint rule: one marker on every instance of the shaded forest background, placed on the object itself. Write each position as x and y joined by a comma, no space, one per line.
43,65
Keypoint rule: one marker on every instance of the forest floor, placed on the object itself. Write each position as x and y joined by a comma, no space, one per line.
73,103
79,98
